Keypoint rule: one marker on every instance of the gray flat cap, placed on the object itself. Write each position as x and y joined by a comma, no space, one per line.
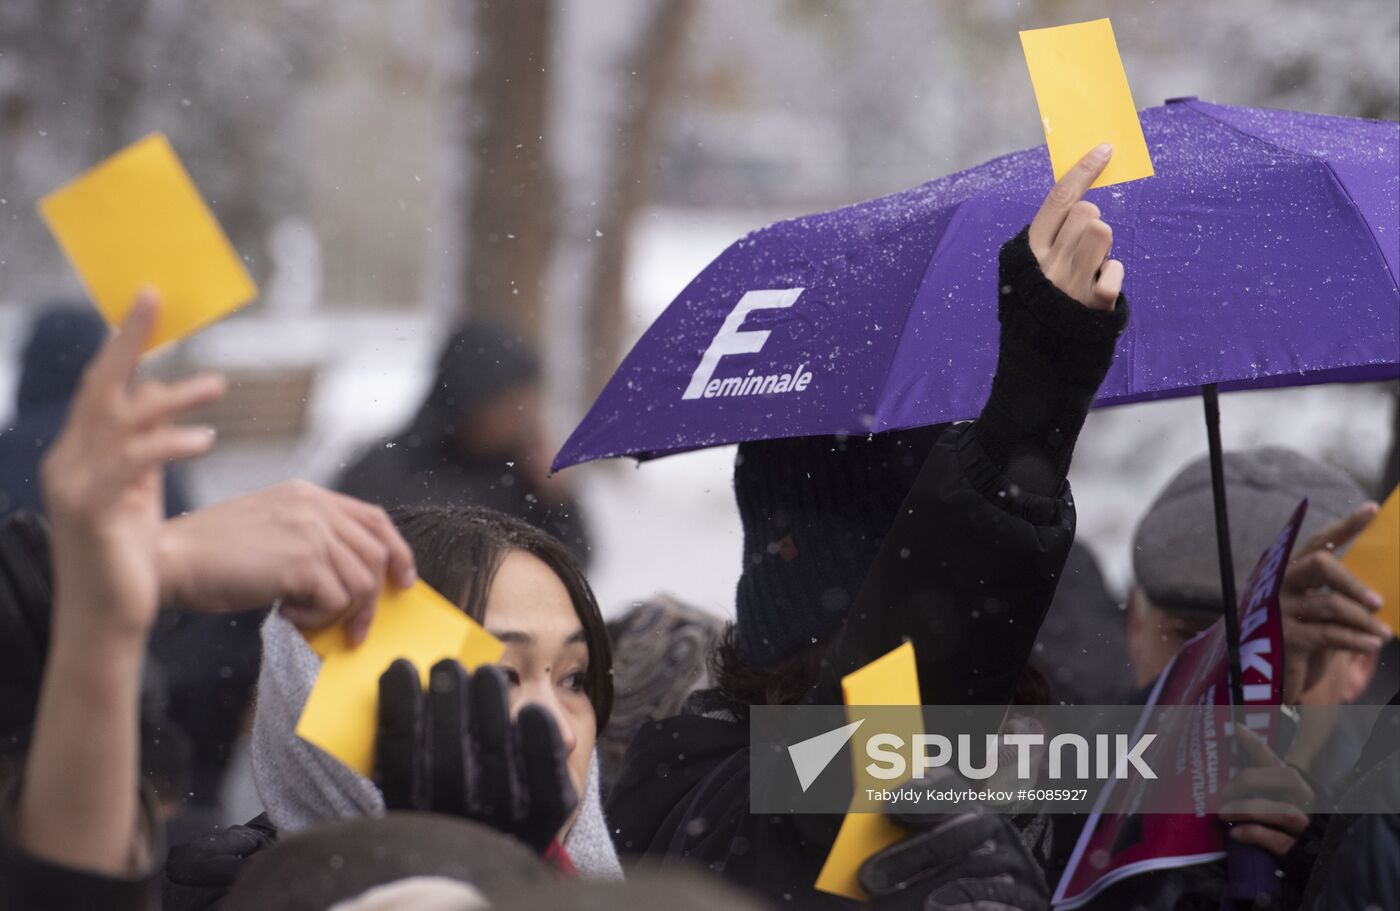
1174,552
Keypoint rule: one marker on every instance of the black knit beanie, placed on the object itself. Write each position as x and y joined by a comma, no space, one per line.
479,363
814,511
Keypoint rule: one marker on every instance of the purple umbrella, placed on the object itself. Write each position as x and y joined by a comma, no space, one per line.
1264,253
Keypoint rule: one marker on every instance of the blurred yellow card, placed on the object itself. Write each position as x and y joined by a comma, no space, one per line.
137,219
892,679
1375,559
414,623
1084,99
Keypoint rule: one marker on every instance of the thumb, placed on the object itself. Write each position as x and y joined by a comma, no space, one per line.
1108,286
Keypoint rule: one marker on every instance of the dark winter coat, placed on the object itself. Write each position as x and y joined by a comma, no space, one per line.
26,600
966,572
1358,867
26,593
684,791
28,883
194,690
424,463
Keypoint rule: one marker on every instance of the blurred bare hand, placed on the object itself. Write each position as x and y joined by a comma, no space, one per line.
1326,609
102,480
1072,243
323,555
1267,802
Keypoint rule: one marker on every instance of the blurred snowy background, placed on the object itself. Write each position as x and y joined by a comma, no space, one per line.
386,166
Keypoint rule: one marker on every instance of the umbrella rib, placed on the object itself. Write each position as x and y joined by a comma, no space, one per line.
1307,156
908,314
1137,189
1357,211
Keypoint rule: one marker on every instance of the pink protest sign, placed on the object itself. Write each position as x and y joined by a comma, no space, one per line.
1192,750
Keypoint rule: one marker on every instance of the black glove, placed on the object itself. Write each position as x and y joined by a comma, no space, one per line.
199,874
455,750
962,862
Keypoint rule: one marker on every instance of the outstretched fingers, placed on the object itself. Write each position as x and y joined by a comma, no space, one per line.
155,403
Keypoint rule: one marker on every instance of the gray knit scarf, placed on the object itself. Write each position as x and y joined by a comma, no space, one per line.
301,786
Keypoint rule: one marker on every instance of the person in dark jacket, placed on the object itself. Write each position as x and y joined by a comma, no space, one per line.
477,440
206,706
62,340
1327,616
1329,632
76,831
855,545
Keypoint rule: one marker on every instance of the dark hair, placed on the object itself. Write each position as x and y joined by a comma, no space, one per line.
742,684
458,550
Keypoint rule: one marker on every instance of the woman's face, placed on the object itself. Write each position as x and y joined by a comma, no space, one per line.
546,658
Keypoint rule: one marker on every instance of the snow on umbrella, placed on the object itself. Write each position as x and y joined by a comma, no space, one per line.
1263,254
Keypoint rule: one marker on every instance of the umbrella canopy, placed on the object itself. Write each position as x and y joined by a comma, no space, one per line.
1264,253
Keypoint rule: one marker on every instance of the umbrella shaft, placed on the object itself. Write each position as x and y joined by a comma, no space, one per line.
1211,395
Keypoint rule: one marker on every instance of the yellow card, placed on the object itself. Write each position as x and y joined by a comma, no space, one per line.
892,679
414,623
137,219
1375,558
1084,99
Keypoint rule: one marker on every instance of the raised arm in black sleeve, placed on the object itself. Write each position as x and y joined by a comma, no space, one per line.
971,563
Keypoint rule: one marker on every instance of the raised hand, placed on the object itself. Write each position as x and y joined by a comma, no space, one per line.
1325,608
1072,243
456,750
102,487
1267,802
102,481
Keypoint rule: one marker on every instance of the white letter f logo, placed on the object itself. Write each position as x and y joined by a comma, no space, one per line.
729,340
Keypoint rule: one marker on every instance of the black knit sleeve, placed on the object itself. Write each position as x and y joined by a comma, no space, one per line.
1054,353
969,568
